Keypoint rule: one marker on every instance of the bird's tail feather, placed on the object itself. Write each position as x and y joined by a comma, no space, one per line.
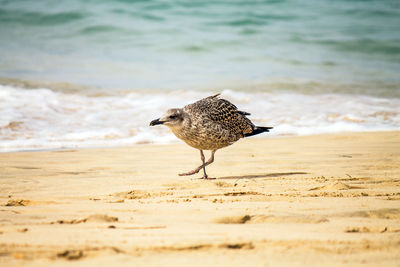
258,130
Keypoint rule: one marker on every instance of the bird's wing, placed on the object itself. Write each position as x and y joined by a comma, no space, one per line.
224,113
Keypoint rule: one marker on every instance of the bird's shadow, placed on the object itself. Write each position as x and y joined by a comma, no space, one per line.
265,175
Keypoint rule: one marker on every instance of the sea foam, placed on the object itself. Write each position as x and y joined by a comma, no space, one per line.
47,119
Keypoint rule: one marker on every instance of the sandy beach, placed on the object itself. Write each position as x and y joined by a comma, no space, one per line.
331,200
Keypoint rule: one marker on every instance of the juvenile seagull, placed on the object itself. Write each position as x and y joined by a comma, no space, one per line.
209,124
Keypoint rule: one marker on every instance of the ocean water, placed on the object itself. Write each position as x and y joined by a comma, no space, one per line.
81,73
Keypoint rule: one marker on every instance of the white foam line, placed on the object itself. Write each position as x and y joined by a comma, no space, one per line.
42,118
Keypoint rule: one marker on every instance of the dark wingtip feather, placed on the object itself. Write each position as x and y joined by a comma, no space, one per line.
243,113
258,130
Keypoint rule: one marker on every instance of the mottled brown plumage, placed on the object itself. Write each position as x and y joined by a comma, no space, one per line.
209,124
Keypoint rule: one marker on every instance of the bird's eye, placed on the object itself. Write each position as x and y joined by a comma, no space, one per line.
173,117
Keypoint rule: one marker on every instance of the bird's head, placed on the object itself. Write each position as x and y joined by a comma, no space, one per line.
172,118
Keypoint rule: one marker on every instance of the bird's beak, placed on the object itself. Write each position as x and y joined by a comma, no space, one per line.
155,122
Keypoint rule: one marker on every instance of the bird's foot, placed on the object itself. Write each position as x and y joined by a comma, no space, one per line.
205,177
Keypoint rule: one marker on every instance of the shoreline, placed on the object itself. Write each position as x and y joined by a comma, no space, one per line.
180,142
332,199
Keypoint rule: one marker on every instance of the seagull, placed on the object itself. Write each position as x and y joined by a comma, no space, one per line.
209,124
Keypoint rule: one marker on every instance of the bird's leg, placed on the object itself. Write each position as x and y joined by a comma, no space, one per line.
203,166
203,159
209,161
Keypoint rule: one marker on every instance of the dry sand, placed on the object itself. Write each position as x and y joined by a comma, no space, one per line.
329,200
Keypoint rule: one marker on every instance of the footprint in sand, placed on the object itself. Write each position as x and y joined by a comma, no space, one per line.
96,218
374,230
17,202
335,186
26,202
247,219
380,214
71,254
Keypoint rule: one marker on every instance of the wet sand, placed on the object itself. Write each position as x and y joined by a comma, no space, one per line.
331,200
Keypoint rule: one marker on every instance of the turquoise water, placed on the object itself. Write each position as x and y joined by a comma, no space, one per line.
187,44
81,73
